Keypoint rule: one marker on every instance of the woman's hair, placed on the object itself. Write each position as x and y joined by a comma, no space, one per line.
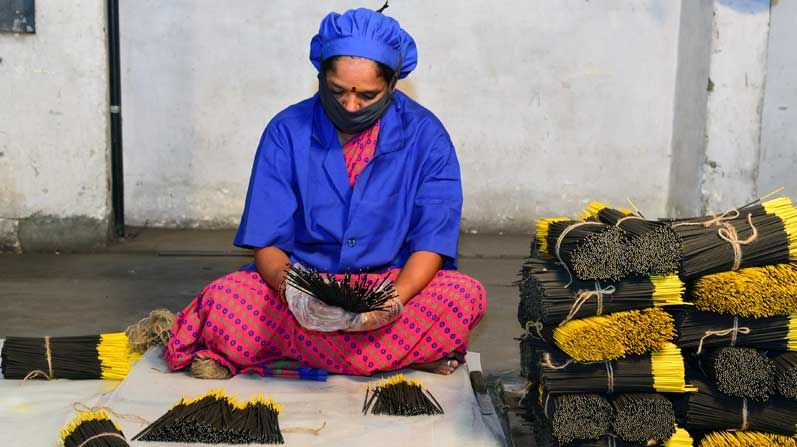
382,70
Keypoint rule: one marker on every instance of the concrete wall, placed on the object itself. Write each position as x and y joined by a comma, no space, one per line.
778,166
54,156
549,103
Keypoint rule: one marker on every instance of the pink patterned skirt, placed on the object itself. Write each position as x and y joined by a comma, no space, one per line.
238,321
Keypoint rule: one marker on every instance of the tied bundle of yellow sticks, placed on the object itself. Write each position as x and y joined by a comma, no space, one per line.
767,291
92,429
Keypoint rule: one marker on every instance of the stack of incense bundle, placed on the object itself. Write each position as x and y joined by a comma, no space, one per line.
661,371
353,295
92,429
710,410
104,356
397,396
545,298
640,417
756,292
786,374
754,236
746,439
740,372
701,330
216,418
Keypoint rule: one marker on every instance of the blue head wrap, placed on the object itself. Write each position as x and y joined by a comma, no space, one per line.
364,33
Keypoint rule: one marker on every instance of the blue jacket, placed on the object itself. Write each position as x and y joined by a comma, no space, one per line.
408,198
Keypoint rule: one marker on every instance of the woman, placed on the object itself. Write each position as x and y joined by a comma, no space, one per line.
358,178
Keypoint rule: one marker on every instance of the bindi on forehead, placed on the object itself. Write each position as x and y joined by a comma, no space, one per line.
354,89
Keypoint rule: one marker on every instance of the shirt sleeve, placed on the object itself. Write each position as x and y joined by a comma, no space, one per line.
437,206
268,217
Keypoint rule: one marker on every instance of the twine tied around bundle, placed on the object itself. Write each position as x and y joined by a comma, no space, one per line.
623,219
745,422
609,377
102,435
559,246
584,296
548,363
39,373
729,234
537,326
733,332
716,219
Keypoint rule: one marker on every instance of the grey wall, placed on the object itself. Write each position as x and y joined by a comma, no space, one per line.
778,166
550,104
53,130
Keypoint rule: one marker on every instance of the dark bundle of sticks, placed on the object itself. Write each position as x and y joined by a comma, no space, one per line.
661,371
398,396
353,295
655,247
710,410
544,296
216,418
740,372
577,416
786,374
103,356
591,251
640,417
92,429
739,239
701,330
746,439
529,359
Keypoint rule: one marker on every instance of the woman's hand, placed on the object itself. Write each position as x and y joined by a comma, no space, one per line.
368,321
315,315
272,265
417,273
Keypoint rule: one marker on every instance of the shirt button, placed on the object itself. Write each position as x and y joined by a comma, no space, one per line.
352,242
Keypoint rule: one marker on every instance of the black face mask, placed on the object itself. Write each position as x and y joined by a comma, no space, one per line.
352,122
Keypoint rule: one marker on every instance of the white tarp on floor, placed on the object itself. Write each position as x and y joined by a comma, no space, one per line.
32,413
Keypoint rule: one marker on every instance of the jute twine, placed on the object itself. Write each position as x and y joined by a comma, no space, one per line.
39,373
584,296
155,329
733,332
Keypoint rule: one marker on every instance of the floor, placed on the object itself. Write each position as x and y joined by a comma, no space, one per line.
80,293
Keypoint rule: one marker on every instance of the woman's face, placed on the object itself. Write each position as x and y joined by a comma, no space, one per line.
355,82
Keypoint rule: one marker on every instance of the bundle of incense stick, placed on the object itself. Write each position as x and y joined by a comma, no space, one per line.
216,418
746,439
655,247
701,330
661,371
640,417
354,295
786,374
740,239
767,291
613,336
528,357
104,356
740,372
590,250
397,396
92,429
545,297
709,410
577,416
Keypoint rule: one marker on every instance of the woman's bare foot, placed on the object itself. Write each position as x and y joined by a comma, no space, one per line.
443,366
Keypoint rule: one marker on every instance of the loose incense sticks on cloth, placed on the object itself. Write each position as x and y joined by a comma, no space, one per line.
103,356
709,410
545,298
737,239
353,295
661,371
590,250
397,396
655,248
740,372
640,417
786,374
746,439
92,429
216,418
616,335
701,330
767,291
577,416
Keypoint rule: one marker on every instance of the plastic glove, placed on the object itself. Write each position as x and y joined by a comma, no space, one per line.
313,314
368,321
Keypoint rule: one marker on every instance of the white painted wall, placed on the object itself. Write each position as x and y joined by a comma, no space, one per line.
778,165
550,104
54,150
